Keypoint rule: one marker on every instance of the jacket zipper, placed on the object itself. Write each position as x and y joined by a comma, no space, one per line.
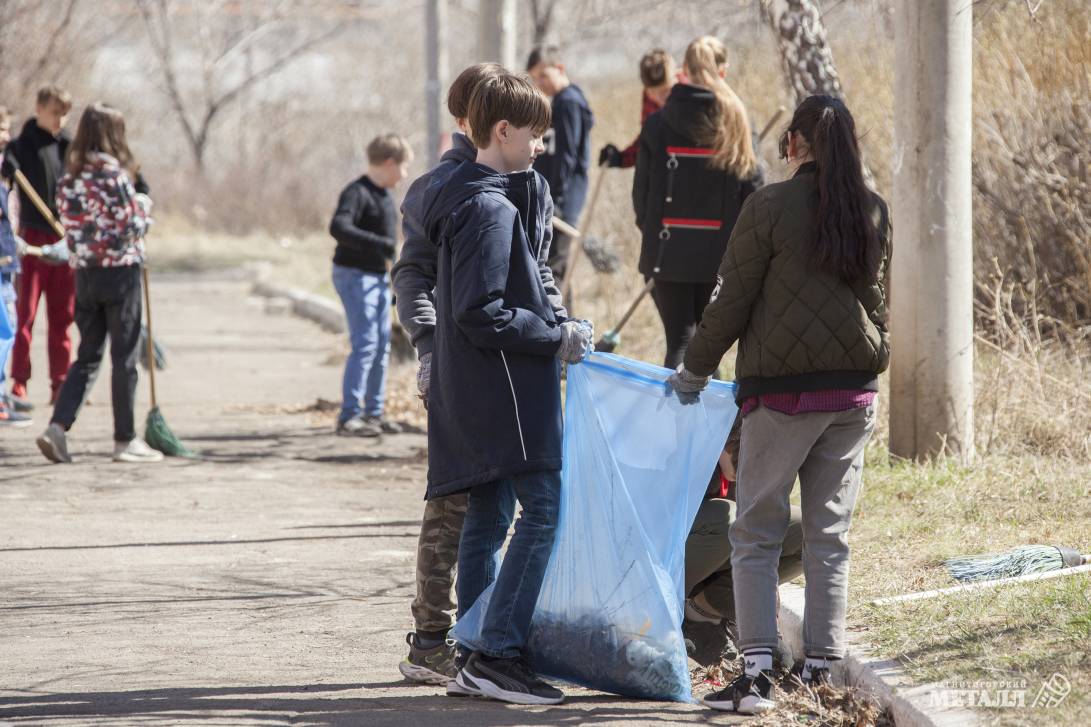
518,421
672,164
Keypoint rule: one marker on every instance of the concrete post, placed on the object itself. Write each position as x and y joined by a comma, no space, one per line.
496,33
435,51
931,381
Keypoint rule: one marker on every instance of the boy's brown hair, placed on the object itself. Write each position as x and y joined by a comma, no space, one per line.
101,129
506,97
654,67
549,55
458,96
55,94
388,146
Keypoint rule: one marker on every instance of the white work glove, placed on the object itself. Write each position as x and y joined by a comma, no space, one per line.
424,377
56,253
687,384
145,203
577,341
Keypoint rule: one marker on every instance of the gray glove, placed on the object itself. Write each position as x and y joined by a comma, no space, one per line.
577,341
687,384
56,253
424,377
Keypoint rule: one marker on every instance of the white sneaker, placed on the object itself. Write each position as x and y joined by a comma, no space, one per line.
136,451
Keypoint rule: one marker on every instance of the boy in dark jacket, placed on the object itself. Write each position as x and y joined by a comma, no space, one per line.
364,226
431,659
567,157
39,153
494,412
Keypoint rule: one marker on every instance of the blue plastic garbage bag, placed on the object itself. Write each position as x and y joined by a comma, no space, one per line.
637,463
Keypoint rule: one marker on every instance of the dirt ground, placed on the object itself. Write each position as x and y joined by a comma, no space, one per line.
267,582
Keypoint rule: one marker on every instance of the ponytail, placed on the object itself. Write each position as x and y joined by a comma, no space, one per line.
846,242
728,131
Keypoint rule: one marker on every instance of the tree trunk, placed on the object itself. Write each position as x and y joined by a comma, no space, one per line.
801,37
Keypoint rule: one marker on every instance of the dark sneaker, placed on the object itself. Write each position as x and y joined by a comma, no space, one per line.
745,695
385,425
11,419
456,688
712,642
357,427
819,677
54,445
428,666
509,680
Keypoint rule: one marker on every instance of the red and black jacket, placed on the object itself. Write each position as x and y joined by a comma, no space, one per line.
685,208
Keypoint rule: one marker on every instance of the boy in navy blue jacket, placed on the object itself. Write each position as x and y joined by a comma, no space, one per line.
494,413
567,157
431,659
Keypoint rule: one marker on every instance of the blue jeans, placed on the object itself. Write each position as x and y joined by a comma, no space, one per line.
7,333
366,297
489,512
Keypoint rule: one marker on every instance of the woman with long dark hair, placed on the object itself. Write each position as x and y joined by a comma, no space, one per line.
694,168
105,220
803,292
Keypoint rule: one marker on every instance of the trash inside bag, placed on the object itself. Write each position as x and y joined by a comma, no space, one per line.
637,463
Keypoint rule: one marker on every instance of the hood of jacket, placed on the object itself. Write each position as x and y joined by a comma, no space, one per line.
462,149
521,189
689,109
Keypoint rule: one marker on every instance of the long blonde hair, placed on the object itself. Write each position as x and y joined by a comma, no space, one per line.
728,132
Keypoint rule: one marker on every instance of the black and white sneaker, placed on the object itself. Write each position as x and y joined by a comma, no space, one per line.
745,695
456,688
509,680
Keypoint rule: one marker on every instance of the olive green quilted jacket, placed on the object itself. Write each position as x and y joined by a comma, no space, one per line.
799,329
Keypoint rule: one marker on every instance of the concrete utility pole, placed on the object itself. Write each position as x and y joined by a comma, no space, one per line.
435,50
496,33
931,382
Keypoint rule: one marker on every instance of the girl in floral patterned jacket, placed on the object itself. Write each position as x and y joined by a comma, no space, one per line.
105,221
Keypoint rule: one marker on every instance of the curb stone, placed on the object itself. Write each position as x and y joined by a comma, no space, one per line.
911,705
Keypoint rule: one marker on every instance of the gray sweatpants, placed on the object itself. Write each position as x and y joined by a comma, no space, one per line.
826,451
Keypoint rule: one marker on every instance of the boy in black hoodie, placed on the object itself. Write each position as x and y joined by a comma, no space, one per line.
39,153
567,157
494,413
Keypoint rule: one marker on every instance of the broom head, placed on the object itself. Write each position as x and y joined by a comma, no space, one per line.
609,342
602,254
159,436
1020,561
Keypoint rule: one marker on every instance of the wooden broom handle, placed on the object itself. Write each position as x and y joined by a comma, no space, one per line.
39,203
150,342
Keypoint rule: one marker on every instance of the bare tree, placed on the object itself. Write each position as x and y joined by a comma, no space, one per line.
804,51
223,78
541,13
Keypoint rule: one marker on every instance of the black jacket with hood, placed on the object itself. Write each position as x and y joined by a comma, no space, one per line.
685,208
494,405
40,156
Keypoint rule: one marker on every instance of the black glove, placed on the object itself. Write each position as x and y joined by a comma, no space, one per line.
610,156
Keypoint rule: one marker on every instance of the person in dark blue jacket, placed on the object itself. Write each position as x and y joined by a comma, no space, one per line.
567,158
494,409
431,659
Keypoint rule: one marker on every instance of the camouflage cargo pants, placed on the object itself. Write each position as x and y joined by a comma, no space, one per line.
437,555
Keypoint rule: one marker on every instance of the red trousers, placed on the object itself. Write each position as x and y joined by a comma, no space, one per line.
58,282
